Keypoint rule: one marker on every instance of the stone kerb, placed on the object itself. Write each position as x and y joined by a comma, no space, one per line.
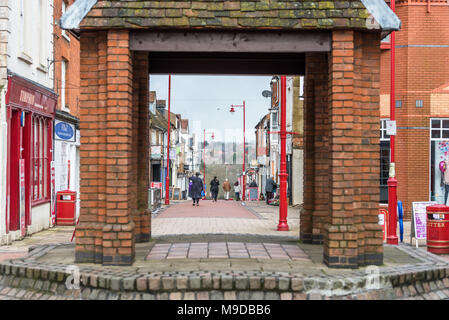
107,283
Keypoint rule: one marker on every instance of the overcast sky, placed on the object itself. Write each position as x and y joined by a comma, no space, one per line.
206,100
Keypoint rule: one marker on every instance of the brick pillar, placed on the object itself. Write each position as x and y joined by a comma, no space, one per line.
89,232
118,238
316,150
352,235
367,91
142,215
340,237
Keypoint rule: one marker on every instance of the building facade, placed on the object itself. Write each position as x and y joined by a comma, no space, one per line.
27,113
66,125
421,102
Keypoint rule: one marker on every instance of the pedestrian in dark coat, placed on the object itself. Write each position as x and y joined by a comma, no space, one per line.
270,187
197,188
214,188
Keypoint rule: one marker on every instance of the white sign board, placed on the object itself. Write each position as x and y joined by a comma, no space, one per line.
419,220
391,127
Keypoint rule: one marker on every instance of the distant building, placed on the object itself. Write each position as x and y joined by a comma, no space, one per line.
268,141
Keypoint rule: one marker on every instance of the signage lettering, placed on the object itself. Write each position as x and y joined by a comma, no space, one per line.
26,97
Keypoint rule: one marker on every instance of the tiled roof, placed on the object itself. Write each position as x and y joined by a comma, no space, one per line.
233,14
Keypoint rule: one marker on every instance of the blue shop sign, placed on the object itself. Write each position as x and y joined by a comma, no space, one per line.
64,131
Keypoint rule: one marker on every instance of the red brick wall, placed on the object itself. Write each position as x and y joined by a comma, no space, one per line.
69,51
419,70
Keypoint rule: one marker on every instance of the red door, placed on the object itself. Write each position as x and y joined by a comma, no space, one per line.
14,156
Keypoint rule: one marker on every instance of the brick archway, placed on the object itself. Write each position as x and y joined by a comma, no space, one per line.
341,110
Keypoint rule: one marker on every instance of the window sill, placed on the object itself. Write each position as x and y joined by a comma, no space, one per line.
25,58
42,68
65,36
35,203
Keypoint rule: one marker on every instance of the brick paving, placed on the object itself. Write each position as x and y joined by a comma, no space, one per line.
226,250
223,217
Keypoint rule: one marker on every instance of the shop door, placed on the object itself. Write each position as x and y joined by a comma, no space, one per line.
14,156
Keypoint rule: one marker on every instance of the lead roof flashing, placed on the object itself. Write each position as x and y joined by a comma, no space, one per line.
72,18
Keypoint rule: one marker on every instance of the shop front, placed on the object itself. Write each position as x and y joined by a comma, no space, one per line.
439,162
30,114
66,136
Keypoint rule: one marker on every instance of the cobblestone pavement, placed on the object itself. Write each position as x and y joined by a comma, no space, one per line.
238,255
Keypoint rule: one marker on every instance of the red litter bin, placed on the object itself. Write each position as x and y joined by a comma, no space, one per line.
438,229
65,208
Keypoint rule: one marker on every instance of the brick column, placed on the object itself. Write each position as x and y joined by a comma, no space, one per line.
316,150
340,238
142,215
367,91
352,234
118,238
89,232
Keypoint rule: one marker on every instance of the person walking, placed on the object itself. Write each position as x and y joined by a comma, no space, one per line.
196,189
237,191
226,189
270,187
214,188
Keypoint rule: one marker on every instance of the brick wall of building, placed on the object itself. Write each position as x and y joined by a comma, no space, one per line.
67,48
422,52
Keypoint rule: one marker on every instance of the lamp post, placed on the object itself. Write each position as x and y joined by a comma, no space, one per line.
392,237
232,110
283,226
204,156
167,177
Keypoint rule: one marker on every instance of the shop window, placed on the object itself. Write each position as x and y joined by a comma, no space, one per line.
439,160
40,162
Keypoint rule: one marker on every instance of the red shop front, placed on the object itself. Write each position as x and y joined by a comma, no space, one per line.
30,114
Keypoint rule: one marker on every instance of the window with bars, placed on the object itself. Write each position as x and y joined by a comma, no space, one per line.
384,161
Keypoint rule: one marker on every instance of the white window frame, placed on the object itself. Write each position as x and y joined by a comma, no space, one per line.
63,85
26,45
43,48
63,10
383,130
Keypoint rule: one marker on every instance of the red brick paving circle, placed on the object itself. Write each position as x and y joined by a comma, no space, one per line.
207,208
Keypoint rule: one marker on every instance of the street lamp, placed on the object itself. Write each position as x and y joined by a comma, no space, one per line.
204,156
167,177
232,111
392,237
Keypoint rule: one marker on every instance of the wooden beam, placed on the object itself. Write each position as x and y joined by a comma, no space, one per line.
226,63
229,41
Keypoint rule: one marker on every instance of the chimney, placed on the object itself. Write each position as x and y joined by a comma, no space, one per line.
152,96
160,106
